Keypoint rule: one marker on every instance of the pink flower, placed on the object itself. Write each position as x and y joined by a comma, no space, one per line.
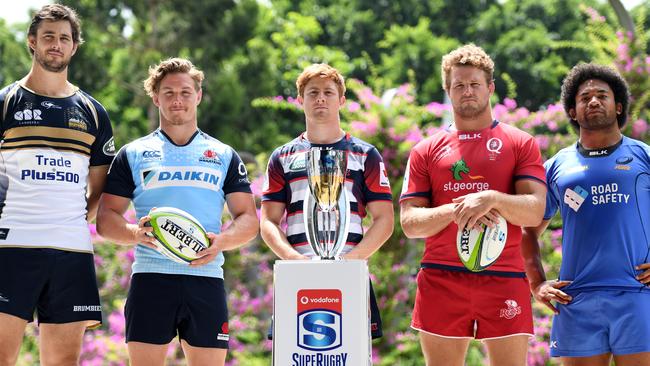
639,128
353,106
511,104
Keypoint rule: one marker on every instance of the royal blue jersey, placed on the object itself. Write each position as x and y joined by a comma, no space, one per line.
196,177
604,199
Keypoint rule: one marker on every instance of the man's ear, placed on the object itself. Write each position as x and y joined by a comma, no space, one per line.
572,113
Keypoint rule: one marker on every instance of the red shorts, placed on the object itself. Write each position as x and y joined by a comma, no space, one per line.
466,305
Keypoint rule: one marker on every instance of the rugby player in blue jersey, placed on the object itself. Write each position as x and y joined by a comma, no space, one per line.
167,298
55,149
601,186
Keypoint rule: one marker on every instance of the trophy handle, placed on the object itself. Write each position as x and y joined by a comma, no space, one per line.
343,223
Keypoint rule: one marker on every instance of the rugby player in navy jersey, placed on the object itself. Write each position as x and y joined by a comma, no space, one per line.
167,298
601,186
57,144
321,91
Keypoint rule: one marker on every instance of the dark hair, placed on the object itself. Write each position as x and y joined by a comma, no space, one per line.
583,72
54,13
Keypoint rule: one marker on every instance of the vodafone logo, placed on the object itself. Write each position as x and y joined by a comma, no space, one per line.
320,300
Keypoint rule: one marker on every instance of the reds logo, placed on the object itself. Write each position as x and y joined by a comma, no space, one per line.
513,310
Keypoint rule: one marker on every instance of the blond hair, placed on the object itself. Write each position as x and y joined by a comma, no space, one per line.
171,66
323,71
467,55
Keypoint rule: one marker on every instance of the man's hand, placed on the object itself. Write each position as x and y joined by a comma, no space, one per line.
643,277
475,208
207,255
548,291
144,234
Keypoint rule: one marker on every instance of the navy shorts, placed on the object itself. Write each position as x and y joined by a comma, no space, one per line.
159,306
376,330
597,322
60,286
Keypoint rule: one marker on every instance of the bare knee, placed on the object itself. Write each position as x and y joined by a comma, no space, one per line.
8,358
60,358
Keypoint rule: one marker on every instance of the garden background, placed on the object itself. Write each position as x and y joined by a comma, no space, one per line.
390,51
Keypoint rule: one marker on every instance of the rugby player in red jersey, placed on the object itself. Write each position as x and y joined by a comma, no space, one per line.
462,176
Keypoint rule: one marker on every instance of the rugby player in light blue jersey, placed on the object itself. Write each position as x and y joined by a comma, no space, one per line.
179,166
601,186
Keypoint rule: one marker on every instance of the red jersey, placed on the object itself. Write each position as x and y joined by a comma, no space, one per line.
451,164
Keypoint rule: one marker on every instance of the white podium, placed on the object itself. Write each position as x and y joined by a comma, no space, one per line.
321,314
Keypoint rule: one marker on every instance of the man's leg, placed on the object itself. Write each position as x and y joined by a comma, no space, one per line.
203,356
443,351
60,344
599,360
147,354
507,351
635,359
12,329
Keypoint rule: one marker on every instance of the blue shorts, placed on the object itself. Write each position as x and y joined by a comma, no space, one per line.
60,286
159,306
598,322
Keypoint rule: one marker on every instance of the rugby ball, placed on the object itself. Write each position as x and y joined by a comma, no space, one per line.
179,236
478,249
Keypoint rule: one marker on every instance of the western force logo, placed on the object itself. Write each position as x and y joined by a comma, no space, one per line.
575,197
199,177
457,170
319,319
622,163
512,310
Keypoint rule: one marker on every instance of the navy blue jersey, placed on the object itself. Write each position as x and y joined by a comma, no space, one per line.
604,199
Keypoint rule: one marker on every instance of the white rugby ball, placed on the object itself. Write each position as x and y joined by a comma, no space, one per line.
179,236
478,249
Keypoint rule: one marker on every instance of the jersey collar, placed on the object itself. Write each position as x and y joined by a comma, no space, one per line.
595,153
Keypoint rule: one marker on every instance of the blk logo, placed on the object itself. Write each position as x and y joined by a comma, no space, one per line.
319,319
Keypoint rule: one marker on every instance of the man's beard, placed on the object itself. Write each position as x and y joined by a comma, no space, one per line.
471,110
51,66
599,122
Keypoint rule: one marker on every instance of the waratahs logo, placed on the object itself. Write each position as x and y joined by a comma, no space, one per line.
319,319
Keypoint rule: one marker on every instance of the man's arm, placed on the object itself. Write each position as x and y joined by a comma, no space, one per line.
274,237
379,231
96,181
243,228
544,291
418,220
524,208
112,225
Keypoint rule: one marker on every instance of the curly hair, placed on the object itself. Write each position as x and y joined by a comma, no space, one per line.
583,72
323,71
171,66
55,13
467,55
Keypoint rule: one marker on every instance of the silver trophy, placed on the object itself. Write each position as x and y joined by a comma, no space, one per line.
326,208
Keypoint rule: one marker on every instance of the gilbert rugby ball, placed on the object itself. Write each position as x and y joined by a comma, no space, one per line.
478,249
179,236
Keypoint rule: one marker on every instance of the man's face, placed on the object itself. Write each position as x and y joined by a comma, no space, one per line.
321,100
469,91
53,46
596,107
177,99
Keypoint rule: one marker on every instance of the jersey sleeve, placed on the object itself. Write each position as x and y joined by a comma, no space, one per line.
416,177
274,181
552,195
529,160
120,177
103,149
236,176
377,185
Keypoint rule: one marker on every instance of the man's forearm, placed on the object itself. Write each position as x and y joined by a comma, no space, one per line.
423,222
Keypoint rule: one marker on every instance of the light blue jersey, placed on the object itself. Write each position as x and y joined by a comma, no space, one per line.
196,177
604,199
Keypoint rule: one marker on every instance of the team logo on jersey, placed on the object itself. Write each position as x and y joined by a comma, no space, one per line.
3,299
622,163
171,176
223,334
77,124
494,146
575,197
320,323
49,105
109,147
383,177
210,156
512,310
460,167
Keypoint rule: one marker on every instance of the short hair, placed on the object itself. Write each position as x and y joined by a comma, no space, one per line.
322,71
55,13
174,65
583,72
467,55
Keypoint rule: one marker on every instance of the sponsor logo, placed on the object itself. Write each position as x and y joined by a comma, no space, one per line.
469,136
3,298
320,322
575,169
28,115
51,174
405,182
444,152
383,177
186,238
223,334
49,105
182,177
621,163
457,170
84,308
150,155
109,147
4,232
298,163
460,167
210,156
512,310
553,344
575,197
598,152
607,193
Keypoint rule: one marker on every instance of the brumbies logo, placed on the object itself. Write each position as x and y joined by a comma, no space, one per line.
319,319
